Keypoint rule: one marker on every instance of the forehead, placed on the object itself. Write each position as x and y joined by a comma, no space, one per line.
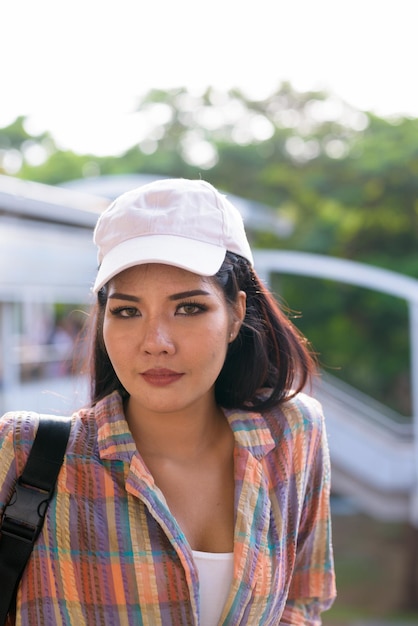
159,275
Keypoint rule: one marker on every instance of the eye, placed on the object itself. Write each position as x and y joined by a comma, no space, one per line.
125,311
190,308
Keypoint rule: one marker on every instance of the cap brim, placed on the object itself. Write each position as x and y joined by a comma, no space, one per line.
194,256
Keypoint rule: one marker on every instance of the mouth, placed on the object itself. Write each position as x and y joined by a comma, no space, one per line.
160,377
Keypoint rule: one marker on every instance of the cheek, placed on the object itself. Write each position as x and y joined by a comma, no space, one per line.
113,341
217,345
107,336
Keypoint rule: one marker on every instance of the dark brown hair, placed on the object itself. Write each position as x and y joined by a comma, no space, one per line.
268,362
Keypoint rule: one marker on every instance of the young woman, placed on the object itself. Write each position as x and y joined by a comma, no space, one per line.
195,488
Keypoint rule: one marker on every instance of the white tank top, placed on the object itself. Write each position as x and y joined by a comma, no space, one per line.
215,578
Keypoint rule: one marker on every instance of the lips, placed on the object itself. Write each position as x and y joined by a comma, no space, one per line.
160,377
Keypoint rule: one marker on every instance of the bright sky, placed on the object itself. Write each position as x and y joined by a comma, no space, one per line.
78,68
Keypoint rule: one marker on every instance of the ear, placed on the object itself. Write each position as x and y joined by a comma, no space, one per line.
238,315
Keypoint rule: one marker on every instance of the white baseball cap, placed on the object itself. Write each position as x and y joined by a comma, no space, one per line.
180,222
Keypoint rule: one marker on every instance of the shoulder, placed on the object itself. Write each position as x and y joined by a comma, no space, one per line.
301,448
298,429
296,422
17,434
18,428
83,434
301,413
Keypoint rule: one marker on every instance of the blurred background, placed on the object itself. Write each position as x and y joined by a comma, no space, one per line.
306,115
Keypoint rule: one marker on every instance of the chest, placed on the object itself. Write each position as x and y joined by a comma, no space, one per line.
201,498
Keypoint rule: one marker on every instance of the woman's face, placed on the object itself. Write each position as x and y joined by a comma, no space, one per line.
166,332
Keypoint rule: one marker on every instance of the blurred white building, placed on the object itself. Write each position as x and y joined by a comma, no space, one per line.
47,266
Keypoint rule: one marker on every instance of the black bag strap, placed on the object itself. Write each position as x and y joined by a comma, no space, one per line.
25,512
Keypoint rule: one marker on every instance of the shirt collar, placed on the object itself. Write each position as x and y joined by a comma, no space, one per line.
250,429
114,437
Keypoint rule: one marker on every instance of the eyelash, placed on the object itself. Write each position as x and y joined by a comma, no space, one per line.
120,310
201,308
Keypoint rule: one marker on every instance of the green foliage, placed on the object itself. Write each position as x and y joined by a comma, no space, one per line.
347,179
59,168
361,336
14,135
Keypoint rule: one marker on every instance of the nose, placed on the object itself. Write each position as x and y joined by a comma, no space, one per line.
157,338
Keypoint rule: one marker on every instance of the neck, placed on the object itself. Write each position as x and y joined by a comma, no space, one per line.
183,435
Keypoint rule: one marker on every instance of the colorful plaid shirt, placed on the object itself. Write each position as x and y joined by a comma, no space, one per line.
111,553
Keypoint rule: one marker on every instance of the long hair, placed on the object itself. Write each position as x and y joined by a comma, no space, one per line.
268,362
269,354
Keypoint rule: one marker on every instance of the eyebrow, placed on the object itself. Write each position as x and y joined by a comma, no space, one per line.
175,296
123,296
189,294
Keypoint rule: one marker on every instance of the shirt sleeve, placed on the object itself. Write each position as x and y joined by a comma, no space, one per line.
7,459
312,588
